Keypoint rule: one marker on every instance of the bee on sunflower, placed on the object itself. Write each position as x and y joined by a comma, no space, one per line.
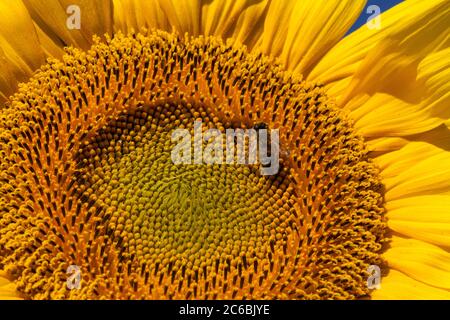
87,180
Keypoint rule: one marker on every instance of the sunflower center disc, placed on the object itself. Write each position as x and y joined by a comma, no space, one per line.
88,180
195,213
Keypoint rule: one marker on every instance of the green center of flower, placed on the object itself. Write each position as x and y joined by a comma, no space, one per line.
173,214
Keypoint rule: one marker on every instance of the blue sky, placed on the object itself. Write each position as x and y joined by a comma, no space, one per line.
383,4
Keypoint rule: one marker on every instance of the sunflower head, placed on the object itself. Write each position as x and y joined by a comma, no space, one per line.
87,176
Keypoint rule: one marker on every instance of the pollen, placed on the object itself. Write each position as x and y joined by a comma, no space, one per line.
86,179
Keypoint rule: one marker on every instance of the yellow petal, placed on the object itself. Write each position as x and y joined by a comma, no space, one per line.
383,115
386,144
7,78
387,59
434,72
440,137
7,289
394,163
233,18
386,115
52,16
247,29
407,61
417,169
421,261
398,286
301,32
425,218
276,26
8,292
137,14
183,15
50,47
20,50
18,36
239,20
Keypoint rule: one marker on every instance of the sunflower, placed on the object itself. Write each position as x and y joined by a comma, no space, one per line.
86,177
